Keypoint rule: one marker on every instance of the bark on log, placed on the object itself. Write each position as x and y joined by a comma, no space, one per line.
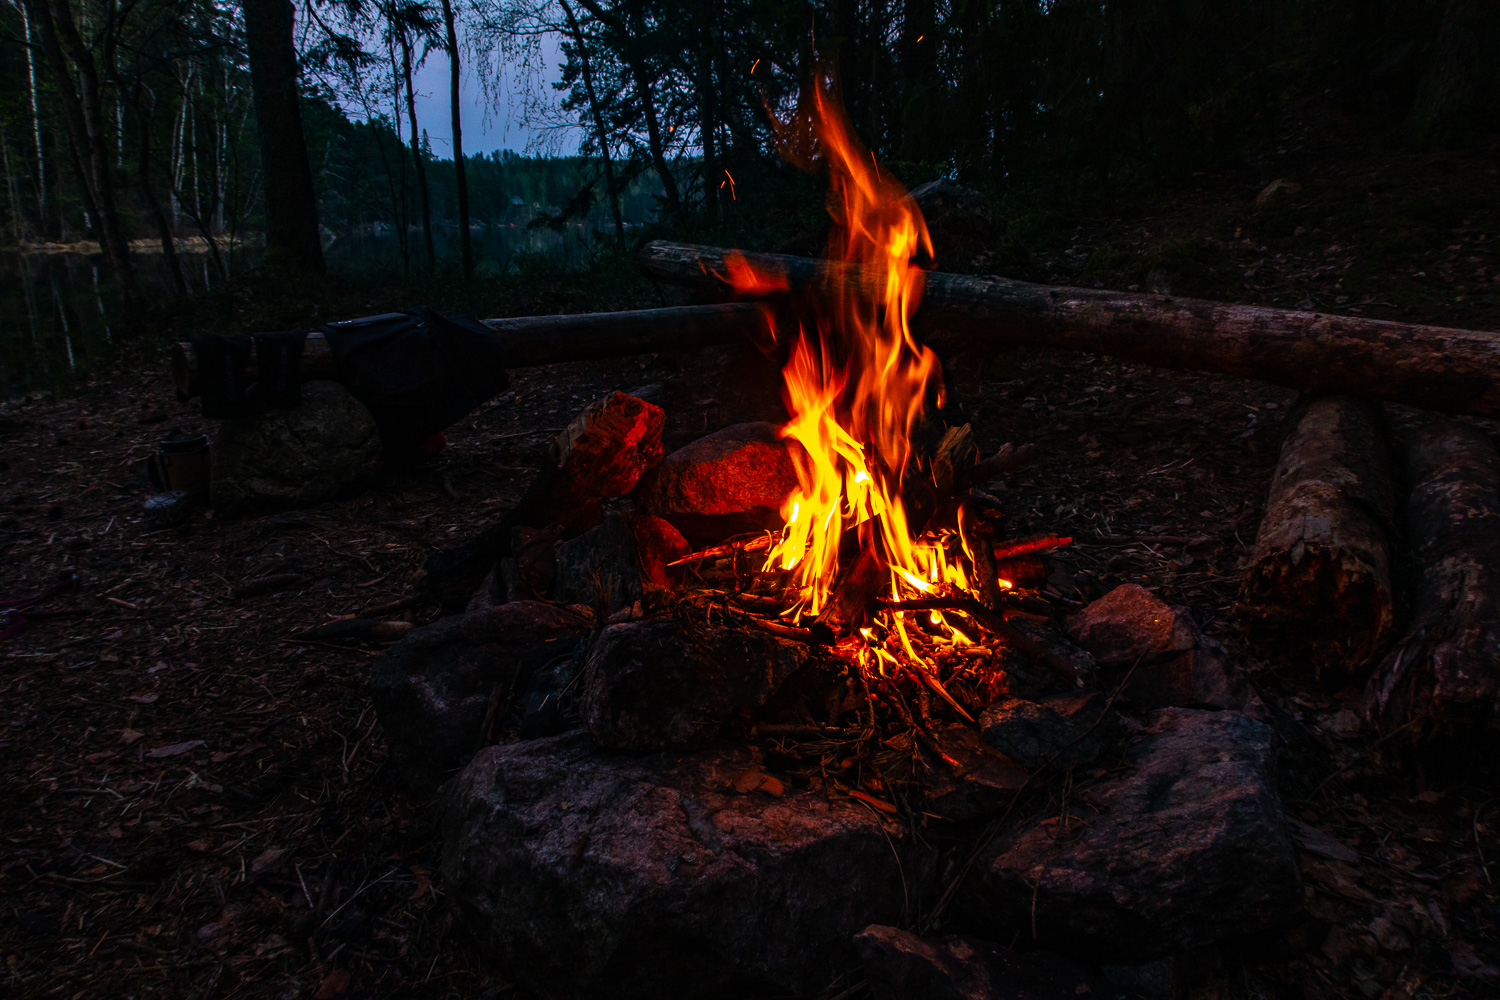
1319,578
1445,674
1436,368
544,340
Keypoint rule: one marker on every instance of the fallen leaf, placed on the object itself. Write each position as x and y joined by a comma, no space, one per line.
267,860
1315,841
201,846
424,882
747,781
336,985
174,749
149,698
772,786
129,736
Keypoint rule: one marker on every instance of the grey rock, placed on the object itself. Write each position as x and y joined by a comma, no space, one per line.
1170,661
899,965
1189,848
435,688
733,480
167,510
599,567
649,684
591,873
975,781
324,448
1068,730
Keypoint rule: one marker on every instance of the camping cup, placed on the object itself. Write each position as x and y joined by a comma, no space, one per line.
183,463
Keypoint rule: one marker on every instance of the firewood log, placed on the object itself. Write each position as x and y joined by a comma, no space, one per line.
545,340
1444,676
1435,368
1319,579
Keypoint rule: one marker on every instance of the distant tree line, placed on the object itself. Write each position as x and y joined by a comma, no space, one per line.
124,119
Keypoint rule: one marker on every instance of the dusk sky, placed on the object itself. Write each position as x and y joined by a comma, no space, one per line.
486,129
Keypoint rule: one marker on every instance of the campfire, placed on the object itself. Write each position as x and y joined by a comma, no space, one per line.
742,708
883,554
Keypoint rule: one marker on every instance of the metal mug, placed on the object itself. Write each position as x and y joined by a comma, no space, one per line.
183,463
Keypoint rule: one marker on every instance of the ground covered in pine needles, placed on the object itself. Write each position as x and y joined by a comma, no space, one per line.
193,799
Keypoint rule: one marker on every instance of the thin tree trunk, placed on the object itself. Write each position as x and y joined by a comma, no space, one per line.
625,39
403,210
653,140
61,44
292,241
36,127
599,127
158,212
706,122
416,153
460,176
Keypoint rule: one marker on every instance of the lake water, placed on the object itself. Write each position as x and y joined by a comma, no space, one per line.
55,308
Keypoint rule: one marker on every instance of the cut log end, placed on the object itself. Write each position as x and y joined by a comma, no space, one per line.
1319,583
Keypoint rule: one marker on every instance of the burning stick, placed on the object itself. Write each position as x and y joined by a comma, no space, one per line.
1026,546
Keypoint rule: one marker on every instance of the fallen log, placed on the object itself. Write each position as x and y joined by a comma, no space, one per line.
531,341
1319,578
1445,674
1436,368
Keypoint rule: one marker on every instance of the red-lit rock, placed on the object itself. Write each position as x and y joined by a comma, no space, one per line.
734,480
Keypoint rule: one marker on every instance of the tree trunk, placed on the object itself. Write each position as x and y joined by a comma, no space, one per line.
1435,368
149,193
627,47
66,55
36,127
599,127
1445,675
417,153
653,140
465,242
706,121
292,242
1319,579
1458,88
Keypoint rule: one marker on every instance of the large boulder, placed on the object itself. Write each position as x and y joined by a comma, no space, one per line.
590,873
651,684
323,448
1189,848
734,480
434,690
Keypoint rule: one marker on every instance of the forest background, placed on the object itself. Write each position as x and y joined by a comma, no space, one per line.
159,152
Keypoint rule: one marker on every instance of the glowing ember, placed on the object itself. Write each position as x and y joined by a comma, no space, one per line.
856,384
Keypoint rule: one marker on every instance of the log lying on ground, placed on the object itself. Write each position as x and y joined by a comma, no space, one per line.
1445,674
1319,579
1436,368
545,340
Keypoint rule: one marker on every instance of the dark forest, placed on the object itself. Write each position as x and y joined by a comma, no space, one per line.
869,500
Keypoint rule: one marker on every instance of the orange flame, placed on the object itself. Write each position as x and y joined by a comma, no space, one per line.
856,383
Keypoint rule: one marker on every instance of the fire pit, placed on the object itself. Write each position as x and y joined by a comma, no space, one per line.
714,713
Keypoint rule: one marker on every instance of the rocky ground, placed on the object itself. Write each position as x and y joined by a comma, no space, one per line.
195,803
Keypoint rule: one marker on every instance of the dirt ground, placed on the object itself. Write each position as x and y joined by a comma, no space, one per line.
192,801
